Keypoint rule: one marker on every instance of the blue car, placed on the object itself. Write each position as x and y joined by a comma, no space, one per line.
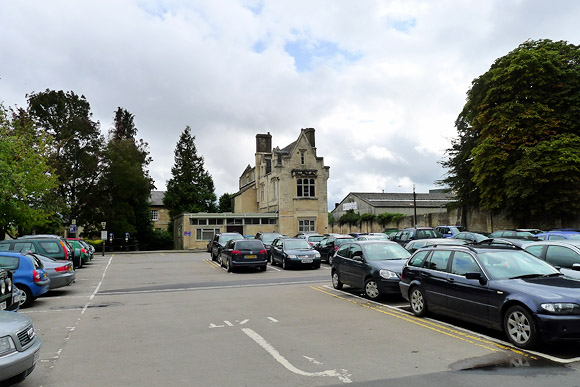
558,235
28,275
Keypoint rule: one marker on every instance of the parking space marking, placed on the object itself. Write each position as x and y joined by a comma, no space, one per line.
343,376
212,263
445,329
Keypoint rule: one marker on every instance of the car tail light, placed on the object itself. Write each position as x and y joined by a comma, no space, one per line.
311,244
84,251
263,251
62,268
65,250
236,252
36,276
335,248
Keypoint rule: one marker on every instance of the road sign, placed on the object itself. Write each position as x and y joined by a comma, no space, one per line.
103,225
73,228
104,235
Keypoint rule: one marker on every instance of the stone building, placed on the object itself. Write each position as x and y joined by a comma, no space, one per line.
286,191
159,214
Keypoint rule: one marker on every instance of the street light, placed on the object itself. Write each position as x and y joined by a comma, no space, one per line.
414,206
74,188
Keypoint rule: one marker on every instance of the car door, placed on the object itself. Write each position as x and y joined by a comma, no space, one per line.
563,257
434,279
467,298
276,250
357,265
340,263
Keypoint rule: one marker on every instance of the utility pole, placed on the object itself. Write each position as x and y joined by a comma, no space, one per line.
414,206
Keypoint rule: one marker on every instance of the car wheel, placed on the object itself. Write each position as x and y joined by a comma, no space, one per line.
372,289
212,256
520,327
26,298
284,265
330,259
219,260
228,265
336,281
418,302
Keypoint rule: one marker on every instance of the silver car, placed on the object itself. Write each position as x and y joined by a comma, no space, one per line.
19,346
60,272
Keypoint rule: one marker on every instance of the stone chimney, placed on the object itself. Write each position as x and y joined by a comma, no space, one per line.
264,143
309,133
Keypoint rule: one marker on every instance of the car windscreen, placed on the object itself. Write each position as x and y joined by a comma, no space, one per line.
382,251
249,245
269,238
297,245
318,238
10,263
341,241
504,264
223,239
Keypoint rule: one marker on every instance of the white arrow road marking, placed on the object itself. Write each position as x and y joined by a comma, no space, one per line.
344,376
273,319
229,324
212,325
244,321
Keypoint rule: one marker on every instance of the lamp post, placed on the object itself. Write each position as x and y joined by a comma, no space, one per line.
414,206
74,189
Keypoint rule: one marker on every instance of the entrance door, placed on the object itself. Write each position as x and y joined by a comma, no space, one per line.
239,229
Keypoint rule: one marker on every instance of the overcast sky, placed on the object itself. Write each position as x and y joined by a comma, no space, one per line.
382,82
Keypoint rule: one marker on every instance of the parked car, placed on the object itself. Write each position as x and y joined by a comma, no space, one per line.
28,274
505,242
61,273
243,253
562,254
372,236
374,266
48,245
330,244
558,235
267,238
312,238
513,234
84,252
90,250
402,237
292,252
219,241
415,245
449,231
469,236
19,347
7,289
499,287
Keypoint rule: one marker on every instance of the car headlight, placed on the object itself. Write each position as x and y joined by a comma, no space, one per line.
6,345
292,256
387,274
562,308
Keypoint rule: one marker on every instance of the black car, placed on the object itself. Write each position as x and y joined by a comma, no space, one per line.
6,290
243,253
267,238
290,252
330,244
499,287
374,266
219,241
403,237
470,236
415,245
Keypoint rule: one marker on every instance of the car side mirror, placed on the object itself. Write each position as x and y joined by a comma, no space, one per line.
576,266
358,258
476,276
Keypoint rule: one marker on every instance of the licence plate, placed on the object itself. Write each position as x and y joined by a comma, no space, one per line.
251,256
2,305
307,261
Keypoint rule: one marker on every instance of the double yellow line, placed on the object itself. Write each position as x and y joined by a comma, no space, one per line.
429,324
213,264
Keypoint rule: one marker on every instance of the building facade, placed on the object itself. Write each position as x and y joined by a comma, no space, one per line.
286,192
159,214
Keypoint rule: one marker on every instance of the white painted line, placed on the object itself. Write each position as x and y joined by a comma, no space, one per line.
273,319
229,323
244,321
342,376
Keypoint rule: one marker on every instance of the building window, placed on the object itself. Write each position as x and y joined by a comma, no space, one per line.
205,234
302,158
306,225
268,220
154,215
215,221
275,188
305,187
235,222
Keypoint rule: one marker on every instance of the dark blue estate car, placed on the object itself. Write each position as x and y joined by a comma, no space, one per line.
500,287
373,265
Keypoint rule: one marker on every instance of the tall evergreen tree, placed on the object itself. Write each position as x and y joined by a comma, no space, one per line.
127,183
225,203
191,187
76,154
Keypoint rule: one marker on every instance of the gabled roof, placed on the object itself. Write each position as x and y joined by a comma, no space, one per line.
156,198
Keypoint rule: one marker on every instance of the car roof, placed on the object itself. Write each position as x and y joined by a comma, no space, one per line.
12,253
559,242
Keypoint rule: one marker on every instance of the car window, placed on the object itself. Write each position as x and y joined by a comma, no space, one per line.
50,246
561,256
341,241
315,238
418,258
4,247
464,263
10,263
424,234
356,251
223,239
555,237
343,251
535,250
24,246
249,245
268,238
438,260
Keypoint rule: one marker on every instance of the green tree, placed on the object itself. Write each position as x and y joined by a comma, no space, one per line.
127,184
27,181
368,219
518,135
225,203
190,188
76,151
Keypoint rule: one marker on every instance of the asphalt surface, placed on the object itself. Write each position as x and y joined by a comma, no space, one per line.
177,319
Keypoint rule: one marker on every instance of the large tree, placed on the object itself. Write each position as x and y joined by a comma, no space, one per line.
27,181
76,151
518,147
190,188
127,184
225,203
